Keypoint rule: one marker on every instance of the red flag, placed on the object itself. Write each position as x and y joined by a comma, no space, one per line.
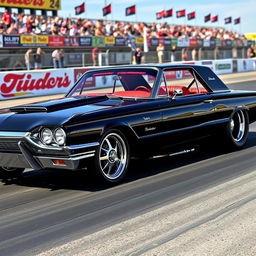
107,10
130,10
207,18
237,21
180,13
191,15
168,13
160,15
228,20
80,9
215,18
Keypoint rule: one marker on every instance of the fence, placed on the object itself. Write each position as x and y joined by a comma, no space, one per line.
16,61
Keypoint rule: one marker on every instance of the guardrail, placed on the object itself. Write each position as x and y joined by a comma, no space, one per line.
19,84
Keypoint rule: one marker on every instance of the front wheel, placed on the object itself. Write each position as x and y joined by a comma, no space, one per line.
112,157
237,129
8,172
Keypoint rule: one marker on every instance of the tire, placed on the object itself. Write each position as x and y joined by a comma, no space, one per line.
112,157
237,129
7,172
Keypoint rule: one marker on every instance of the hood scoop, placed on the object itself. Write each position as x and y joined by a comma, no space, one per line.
55,105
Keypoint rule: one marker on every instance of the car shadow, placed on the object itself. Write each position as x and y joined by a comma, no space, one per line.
82,180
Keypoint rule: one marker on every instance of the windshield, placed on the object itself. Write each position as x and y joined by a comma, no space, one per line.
132,82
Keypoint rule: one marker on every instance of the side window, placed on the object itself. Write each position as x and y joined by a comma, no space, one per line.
162,92
184,81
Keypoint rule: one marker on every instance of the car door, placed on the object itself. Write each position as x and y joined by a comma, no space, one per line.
188,109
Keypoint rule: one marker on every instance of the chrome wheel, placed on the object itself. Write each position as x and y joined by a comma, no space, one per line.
238,126
113,156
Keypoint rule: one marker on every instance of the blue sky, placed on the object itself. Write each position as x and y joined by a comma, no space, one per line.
146,9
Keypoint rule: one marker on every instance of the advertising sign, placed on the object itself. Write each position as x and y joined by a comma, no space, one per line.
139,40
192,42
20,84
29,41
167,41
120,41
98,41
85,41
11,41
223,66
55,41
109,40
71,41
183,42
206,43
32,4
154,41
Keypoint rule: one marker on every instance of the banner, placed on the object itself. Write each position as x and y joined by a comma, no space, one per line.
55,41
30,41
139,40
98,41
192,42
109,40
223,66
32,4
85,41
11,41
183,42
120,41
71,41
35,83
1,41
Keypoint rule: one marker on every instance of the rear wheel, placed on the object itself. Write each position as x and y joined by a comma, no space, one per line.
8,172
237,129
112,157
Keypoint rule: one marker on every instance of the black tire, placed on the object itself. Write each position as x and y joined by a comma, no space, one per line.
237,130
8,173
112,157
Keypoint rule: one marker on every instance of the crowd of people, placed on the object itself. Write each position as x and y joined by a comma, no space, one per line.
12,23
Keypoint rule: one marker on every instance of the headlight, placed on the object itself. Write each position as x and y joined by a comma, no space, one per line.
46,136
60,136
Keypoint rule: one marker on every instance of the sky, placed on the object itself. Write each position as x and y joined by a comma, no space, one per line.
146,11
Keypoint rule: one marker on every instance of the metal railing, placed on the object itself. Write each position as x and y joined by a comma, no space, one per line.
79,59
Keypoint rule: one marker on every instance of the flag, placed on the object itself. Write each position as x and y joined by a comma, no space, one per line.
207,18
130,10
107,10
228,20
215,18
80,9
191,15
168,13
237,21
160,15
180,13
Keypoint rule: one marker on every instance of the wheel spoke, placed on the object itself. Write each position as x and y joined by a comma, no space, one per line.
103,158
110,166
109,145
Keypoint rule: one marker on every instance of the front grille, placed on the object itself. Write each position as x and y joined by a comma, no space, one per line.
9,145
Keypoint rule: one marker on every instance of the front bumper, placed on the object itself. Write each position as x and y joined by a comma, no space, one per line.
20,150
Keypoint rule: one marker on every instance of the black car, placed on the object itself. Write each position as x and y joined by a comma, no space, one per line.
136,110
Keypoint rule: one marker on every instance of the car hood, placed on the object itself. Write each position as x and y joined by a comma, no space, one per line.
51,113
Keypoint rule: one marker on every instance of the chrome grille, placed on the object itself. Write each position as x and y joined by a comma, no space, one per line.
9,145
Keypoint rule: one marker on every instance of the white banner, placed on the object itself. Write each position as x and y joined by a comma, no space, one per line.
223,66
35,83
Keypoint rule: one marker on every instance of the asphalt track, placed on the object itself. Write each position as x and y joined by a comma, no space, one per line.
200,204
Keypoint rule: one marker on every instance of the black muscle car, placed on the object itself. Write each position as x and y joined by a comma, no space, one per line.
136,110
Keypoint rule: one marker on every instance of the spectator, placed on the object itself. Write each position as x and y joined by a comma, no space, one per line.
95,53
56,58
38,57
194,54
62,58
7,18
28,59
160,52
251,52
184,55
173,53
138,55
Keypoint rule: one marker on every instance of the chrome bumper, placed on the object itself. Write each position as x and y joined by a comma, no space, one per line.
42,156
